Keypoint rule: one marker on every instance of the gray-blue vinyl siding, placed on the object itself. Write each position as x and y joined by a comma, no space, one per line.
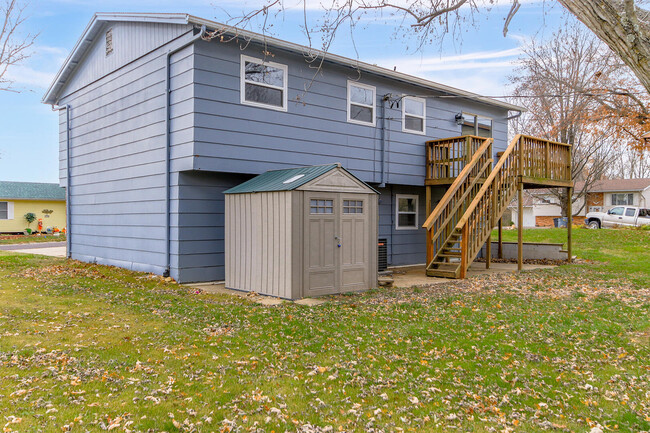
117,137
314,129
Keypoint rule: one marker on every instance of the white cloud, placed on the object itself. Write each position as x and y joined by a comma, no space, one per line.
24,76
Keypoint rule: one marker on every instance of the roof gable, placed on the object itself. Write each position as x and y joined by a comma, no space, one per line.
31,191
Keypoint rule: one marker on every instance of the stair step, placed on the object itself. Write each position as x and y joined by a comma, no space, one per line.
441,273
445,266
449,254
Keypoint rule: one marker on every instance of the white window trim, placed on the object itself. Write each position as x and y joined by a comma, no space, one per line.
242,83
10,210
373,106
417,211
423,117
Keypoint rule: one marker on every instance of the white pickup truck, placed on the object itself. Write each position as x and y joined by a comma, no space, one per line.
620,216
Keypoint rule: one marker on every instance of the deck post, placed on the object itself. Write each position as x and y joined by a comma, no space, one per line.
569,224
464,244
429,236
520,225
500,250
488,252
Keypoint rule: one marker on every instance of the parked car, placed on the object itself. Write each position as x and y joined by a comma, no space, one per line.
623,216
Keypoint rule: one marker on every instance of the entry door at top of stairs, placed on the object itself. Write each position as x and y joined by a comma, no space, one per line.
336,243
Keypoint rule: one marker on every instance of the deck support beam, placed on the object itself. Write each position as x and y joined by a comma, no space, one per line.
429,232
500,249
520,226
569,224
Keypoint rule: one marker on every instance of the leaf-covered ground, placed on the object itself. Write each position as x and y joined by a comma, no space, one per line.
31,239
91,348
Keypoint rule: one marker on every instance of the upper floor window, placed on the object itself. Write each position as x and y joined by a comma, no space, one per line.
263,84
361,103
622,199
476,125
414,112
407,212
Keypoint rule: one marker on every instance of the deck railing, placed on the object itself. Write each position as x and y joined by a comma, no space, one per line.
441,222
446,158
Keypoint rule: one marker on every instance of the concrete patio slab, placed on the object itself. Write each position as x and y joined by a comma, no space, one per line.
416,275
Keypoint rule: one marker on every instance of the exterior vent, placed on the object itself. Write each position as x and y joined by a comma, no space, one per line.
382,248
109,41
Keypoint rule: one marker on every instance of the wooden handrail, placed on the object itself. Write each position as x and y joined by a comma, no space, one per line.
462,177
545,140
488,181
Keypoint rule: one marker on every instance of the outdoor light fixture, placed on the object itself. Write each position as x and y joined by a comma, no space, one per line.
459,119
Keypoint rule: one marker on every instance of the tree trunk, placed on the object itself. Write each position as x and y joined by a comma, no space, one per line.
622,26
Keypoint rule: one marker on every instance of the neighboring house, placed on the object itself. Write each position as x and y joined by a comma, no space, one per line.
45,200
160,122
541,207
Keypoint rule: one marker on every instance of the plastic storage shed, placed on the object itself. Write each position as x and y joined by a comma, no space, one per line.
301,232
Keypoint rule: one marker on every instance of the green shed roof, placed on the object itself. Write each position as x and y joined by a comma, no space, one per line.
282,180
31,191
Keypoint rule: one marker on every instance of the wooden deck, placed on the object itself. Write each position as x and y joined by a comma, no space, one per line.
480,192
544,163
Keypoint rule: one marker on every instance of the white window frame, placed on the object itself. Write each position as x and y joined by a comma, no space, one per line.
397,212
10,210
424,115
373,106
242,83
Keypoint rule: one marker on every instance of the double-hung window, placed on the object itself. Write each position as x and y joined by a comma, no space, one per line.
623,199
263,84
361,103
406,217
414,112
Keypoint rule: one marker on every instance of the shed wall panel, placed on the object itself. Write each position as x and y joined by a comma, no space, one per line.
258,243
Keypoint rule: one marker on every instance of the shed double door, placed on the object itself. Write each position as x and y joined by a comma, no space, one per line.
336,243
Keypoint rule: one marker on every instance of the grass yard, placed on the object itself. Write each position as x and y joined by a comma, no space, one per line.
22,239
91,348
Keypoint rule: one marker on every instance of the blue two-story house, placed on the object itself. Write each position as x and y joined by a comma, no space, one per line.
161,113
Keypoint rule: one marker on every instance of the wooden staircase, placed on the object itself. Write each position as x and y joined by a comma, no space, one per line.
463,220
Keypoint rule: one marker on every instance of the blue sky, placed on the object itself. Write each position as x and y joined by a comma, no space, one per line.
479,61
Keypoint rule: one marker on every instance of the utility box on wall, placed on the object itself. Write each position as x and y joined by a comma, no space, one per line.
301,232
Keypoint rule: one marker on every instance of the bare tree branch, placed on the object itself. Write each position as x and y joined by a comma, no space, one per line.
14,48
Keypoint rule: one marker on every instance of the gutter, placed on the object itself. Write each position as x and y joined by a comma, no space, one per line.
168,91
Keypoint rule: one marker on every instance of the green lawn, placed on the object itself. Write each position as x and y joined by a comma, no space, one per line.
32,239
86,348
623,252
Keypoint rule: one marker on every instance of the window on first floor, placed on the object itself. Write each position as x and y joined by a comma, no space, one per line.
352,206
361,103
622,199
6,210
414,112
476,125
321,206
406,212
263,84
